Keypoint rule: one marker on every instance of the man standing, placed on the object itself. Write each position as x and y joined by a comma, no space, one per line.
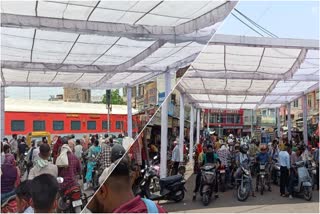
175,158
284,161
44,190
14,145
104,157
115,195
69,173
42,165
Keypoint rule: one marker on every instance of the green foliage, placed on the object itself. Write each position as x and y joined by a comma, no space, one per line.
116,99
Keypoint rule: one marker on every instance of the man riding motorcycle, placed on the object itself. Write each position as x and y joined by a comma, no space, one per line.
207,157
263,157
242,159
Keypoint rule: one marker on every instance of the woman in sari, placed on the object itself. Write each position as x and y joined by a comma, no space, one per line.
94,150
10,177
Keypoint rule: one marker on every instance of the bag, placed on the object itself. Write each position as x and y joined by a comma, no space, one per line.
62,160
151,206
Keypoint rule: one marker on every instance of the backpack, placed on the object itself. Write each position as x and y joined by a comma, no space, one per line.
151,206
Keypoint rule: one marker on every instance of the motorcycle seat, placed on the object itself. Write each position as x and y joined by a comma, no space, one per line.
72,189
12,197
170,180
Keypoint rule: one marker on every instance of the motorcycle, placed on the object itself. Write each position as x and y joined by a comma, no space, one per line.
95,176
304,183
9,205
243,184
262,180
71,200
208,179
312,169
169,188
222,178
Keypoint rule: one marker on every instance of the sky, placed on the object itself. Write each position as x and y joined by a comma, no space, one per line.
286,19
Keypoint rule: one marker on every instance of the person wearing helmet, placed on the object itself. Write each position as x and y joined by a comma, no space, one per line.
242,159
263,157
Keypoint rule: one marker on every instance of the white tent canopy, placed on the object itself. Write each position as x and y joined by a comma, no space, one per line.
235,72
102,44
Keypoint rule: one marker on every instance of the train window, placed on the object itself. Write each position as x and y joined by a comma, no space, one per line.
58,125
17,125
105,124
119,125
75,125
39,125
91,125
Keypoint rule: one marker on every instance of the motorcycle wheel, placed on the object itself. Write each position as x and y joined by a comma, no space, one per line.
222,183
243,194
262,186
307,193
179,197
205,199
77,209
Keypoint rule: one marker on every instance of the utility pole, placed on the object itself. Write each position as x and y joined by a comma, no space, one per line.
108,102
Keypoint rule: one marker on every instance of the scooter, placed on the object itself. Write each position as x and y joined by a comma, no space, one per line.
71,200
208,179
222,178
312,169
169,188
275,172
303,185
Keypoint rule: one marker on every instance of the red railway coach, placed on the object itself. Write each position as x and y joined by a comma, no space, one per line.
64,118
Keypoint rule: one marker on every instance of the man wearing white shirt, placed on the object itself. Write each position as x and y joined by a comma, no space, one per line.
284,161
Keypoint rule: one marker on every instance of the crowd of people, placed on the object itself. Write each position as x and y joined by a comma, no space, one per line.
35,188
66,157
232,152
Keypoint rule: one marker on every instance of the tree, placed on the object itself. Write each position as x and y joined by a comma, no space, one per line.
116,99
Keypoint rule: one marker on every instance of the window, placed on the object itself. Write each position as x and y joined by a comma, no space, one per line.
296,103
119,124
17,125
91,125
237,118
39,125
58,125
230,118
105,124
75,125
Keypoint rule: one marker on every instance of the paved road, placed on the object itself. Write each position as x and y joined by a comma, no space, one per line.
227,202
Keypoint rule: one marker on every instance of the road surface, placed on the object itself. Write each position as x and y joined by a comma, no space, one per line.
227,202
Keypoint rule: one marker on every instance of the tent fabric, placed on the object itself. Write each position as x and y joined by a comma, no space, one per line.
102,44
235,72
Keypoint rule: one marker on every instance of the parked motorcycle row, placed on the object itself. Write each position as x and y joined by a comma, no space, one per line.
151,186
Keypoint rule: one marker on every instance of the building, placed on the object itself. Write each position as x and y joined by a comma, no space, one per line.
224,122
76,95
297,111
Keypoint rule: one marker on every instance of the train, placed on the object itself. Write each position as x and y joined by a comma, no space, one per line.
65,118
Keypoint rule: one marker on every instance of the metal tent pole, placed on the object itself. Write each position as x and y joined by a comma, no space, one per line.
129,110
164,126
289,122
305,119
2,112
181,131
198,126
191,132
